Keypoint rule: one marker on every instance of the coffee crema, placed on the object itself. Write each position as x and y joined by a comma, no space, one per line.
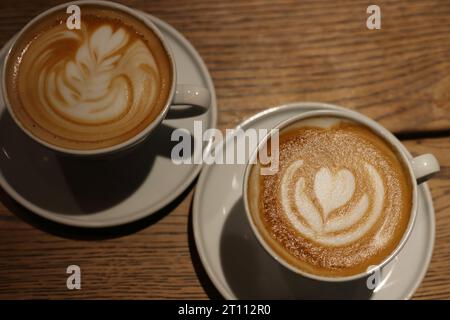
340,202
91,88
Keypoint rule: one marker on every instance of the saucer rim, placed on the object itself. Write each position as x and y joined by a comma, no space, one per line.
248,122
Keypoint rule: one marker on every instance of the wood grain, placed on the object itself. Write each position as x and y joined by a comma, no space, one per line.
260,53
437,281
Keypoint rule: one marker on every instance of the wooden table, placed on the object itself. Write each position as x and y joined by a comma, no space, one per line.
260,54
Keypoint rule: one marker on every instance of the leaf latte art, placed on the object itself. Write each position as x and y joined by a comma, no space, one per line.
340,201
90,88
101,83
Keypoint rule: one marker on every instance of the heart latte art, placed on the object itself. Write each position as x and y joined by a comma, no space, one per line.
89,88
340,202
331,192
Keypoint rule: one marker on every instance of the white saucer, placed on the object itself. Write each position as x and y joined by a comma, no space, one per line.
104,193
241,269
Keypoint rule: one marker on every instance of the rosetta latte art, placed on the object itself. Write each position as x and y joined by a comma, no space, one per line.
332,192
102,82
91,88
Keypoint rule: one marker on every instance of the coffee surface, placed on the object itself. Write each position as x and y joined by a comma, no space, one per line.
90,88
340,201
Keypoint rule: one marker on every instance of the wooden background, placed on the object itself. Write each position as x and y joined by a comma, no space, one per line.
260,54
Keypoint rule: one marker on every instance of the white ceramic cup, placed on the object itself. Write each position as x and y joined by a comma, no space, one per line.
180,94
419,169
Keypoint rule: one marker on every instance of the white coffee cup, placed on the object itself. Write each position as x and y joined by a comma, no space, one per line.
419,170
180,94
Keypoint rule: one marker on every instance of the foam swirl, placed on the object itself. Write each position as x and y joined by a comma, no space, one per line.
93,87
332,192
102,82
340,202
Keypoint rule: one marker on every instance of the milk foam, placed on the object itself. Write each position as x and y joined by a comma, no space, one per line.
332,193
340,202
91,88
103,81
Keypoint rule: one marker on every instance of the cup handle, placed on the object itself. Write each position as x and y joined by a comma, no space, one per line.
424,166
191,95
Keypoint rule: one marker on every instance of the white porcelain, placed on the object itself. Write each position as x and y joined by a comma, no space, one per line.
240,268
424,166
419,169
180,94
118,189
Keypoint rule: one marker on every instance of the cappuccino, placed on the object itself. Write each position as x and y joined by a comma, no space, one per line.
91,88
340,202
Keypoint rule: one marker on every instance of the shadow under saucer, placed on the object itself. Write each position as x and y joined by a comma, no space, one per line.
252,273
73,185
76,185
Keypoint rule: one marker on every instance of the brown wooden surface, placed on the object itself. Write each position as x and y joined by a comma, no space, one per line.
260,54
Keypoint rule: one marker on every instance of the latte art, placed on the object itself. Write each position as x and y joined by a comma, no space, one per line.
340,201
332,193
109,76
89,88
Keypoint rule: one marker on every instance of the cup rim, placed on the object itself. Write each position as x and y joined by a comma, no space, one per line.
377,129
117,147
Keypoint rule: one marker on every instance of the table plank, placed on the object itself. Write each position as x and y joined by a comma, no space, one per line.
150,259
